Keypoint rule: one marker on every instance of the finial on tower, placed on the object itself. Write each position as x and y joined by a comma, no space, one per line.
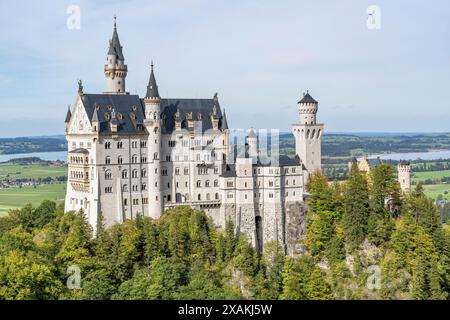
115,21
80,87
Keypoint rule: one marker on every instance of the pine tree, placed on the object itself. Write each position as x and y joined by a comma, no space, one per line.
356,208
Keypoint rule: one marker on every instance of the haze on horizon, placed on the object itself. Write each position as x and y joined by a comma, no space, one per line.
258,55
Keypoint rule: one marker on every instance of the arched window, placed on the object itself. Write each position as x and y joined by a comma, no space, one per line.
120,160
134,174
217,196
155,156
124,174
134,159
108,160
143,173
125,188
186,171
119,145
108,175
199,197
207,183
216,183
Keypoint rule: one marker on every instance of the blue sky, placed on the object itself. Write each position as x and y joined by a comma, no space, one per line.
258,55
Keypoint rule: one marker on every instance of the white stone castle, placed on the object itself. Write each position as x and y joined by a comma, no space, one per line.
132,156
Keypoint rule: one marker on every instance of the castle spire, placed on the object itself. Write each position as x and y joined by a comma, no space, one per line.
152,88
115,69
114,44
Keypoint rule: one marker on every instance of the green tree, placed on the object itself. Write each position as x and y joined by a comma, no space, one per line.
356,208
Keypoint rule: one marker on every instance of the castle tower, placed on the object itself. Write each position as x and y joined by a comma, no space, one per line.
152,122
404,175
115,67
308,134
252,141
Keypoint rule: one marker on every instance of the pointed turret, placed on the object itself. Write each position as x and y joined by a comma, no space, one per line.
95,115
224,123
68,115
115,68
152,88
114,44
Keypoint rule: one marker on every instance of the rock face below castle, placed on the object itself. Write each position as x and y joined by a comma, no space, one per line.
131,155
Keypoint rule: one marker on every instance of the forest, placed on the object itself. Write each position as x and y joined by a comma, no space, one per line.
364,240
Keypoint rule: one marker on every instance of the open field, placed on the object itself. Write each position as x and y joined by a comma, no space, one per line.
434,190
33,171
421,176
18,197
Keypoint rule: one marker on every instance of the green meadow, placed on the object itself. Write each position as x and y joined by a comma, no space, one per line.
33,171
18,197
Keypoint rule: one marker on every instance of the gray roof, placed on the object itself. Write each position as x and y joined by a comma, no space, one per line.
229,170
307,99
68,115
79,150
129,111
152,88
114,45
205,107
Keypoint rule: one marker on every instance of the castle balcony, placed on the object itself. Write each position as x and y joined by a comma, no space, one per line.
195,204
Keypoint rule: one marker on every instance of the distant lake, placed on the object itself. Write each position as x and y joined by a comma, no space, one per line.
48,156
429,155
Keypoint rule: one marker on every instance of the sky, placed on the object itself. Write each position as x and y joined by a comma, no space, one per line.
260,56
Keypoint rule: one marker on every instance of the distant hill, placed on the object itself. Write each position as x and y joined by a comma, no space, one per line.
32,144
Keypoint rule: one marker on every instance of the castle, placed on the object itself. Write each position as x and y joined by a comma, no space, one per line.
130,156
403,170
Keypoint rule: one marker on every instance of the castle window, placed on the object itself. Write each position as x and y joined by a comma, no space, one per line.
216,196
230,184
143,173
177,171
199,183
108,160
164,171
168,158
245,185
245,196
108,145
124,174
134,174
169,198
125,188
134,159
143,159
230,195
108,189
293,170
119,160
199,197
125,202
271,195
144,187
108,175
216,170
144,200
135,188
143,144
135,201
186,171
293,182
119,145
216,183
287,182
155,156
270,183
207,183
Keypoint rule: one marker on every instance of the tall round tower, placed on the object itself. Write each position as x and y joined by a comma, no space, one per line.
404,175
308,134
115,67
152,122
